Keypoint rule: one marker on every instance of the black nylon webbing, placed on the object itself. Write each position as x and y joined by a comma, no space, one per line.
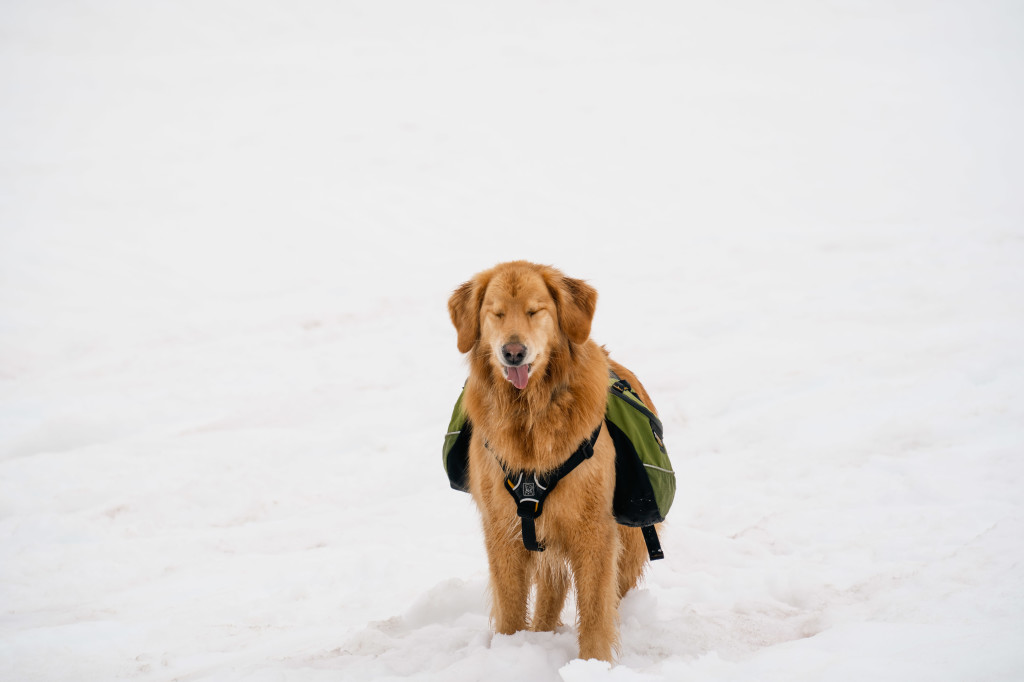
654,551
530,494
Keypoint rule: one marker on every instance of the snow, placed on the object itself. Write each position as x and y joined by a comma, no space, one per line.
228,232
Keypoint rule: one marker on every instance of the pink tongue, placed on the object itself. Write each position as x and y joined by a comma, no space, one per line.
519,376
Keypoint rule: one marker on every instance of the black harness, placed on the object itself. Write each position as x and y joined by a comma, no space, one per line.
530,494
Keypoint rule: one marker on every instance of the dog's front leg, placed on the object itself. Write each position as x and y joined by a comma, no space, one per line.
552,578
594,568
509,563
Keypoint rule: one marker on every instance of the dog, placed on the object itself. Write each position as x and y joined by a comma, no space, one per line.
536,390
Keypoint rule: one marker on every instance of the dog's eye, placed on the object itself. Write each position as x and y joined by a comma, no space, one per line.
500,316
531,313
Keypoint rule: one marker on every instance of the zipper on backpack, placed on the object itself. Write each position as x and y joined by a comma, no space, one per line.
638,405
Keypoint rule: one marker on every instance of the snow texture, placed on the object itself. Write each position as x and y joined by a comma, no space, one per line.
228,232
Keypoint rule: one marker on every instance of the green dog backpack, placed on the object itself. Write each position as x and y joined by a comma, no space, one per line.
645,484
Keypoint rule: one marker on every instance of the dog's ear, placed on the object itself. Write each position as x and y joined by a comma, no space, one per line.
576,301
464,308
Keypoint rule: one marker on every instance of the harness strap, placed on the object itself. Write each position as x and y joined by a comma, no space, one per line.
530,495
654,551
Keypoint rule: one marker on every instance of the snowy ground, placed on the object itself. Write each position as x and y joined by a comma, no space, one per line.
228,231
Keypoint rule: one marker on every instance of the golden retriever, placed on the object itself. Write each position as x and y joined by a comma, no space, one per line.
536,390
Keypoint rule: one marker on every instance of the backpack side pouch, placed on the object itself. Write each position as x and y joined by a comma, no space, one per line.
645,484
455,452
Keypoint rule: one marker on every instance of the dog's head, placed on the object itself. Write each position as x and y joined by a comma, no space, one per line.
519,314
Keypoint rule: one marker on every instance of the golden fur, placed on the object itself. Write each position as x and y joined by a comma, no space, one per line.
536,428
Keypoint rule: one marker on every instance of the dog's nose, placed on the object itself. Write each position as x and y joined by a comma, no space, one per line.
513,353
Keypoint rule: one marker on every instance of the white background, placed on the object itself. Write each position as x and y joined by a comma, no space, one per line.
228,232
